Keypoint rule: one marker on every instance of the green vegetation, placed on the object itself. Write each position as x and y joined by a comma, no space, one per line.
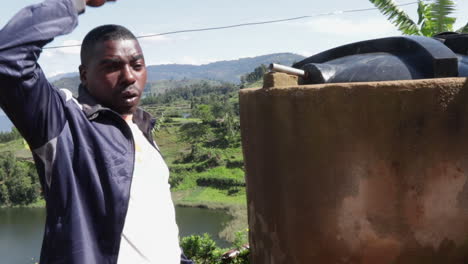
9,136
433,17
203,250
19,184
255,76
200,140
158,87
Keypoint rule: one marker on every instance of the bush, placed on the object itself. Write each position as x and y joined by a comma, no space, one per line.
230,164
9,136
202,154
175,180
236,190
201,249
4,196
220,183
208,164
19,184
179,168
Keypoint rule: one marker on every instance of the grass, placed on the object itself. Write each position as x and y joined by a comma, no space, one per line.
171,148
40,203
211,196
18,147
190,178
257,84
223,172
179,120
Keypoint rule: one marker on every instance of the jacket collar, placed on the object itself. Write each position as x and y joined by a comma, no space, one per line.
92,108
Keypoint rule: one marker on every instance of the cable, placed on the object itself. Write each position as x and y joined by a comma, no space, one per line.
243,24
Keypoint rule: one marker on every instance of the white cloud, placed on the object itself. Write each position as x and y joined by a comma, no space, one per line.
306,53
60,52
194,61
70,50
154,40
47,53
182,60
53,74
371,27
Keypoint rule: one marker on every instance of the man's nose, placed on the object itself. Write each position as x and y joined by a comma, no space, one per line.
127,75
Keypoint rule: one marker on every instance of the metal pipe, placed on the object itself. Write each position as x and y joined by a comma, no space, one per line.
289,70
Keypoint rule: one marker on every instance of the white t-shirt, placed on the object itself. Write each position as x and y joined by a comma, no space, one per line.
150,233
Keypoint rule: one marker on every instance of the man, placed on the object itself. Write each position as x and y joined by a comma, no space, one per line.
104,181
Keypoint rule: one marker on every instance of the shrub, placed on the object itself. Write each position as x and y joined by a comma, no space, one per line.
9,136
179,168
235,164
235,190
220,183
208,164
175,180
4,196
201,249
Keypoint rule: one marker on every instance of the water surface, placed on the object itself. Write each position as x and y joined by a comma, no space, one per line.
21,230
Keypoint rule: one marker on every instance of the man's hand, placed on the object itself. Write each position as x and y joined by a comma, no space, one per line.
97,2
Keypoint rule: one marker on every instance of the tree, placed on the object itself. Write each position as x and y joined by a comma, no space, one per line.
4,195
19,183
203,112
433,17
194,133
254,76
228,132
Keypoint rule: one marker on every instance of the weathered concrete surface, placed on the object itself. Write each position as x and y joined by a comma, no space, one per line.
279,79
369,173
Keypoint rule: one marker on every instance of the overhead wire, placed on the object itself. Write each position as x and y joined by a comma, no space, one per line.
244,24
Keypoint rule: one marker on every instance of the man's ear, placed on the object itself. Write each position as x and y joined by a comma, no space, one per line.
83,79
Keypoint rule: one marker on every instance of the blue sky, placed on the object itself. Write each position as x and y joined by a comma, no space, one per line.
305,37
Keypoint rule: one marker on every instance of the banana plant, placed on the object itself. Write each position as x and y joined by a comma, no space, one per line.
434,16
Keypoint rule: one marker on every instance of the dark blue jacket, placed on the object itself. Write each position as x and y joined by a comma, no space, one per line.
84,152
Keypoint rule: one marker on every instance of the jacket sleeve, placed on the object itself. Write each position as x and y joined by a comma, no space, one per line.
30,101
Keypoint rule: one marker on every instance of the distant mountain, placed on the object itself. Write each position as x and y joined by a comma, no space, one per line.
70,83
62,75
157,87
228,71
224,71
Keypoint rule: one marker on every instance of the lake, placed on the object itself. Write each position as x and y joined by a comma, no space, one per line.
21,230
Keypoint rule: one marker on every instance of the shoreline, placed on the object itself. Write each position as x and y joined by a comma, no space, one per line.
236,212
38,204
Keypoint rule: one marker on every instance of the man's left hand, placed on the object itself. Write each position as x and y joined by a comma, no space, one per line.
96,3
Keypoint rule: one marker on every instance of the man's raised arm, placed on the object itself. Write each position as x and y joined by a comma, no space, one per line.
29,100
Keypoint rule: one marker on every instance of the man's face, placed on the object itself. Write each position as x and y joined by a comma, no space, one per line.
116,75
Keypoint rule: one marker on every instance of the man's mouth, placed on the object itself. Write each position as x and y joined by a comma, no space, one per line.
129,96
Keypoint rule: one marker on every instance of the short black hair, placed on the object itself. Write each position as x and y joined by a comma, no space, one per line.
100,34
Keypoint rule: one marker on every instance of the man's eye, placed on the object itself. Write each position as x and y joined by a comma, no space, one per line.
138,67
112,67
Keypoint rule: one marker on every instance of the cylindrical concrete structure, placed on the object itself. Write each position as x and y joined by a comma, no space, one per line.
365,173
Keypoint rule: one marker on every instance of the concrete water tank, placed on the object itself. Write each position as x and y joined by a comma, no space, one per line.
364,172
